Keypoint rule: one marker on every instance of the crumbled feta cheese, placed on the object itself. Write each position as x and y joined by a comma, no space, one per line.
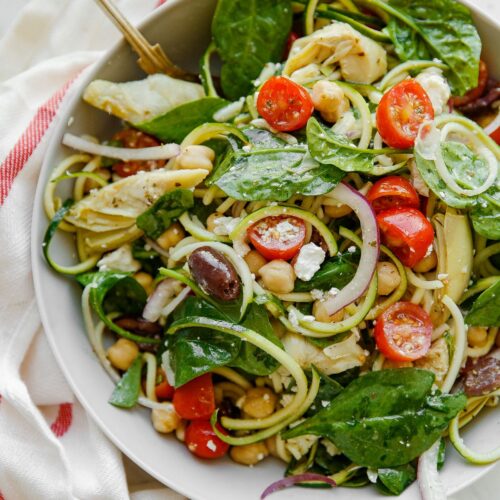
286,399
351,249
333,291
309,260
436,87
348,126
120,259
224,226
317,294
293,317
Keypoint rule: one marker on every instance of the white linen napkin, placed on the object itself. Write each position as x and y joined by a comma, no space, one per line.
49,447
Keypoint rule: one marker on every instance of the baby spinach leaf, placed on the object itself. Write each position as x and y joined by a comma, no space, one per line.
485,310
329,148
445,27
176,124
395,480
126,391
385,418
150,259
485,218
130,297
248,34
336,272
328,390
273,170
166,209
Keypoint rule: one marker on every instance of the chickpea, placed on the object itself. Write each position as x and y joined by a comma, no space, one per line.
388,277
145,280
254,261
427,263
278,276
171,236
259,402
92,184
122,353
249,454
196,157
320,313
165,420
477,336
180,431
271,446
329,99
337,211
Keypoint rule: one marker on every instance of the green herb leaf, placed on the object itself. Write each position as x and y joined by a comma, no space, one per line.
273,170
485,218
329,148
164,212
395,480
385,418
126,390
176,124
248,34
485,310
328,390
336,272
447,30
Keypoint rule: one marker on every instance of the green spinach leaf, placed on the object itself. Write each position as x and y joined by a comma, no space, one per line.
447,30
329,148
395,480
176,124
336,272
384,419
485,310
485,218
328,390
126,391
273,170
166,209
150,259
248,34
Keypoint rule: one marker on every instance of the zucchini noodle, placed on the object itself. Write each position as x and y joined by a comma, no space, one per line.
303,297
273,350
150,375
419,282
79,188
479,287
197,230
483,255
401,71
309,16
476,352
460,344
233,376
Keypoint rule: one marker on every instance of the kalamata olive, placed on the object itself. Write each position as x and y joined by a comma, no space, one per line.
214,273
142,327
228,409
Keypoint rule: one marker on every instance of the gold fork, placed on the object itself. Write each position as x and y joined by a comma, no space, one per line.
152,58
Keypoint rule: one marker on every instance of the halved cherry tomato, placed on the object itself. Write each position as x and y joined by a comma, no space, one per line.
163,390
476,92
289,42
403,332
400,113
407,233
495,135
278,237
284,104
131,138
391,192
202,441
195,400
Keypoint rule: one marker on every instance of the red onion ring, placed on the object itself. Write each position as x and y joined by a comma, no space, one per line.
286,482
369,251
161,296
164,152
429,483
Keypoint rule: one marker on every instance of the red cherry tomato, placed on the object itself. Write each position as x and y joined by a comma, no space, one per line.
163,390
289,42
131,138
284,104
407,233
476,92
391,192
195,400
202,441
403,332
495,135
400,113
278,237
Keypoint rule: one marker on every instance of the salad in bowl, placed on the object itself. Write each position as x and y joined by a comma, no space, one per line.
296,255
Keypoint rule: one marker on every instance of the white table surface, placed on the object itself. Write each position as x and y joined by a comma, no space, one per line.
489,486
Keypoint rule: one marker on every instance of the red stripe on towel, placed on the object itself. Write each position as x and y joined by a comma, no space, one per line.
63,420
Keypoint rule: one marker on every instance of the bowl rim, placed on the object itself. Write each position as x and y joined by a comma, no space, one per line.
69,103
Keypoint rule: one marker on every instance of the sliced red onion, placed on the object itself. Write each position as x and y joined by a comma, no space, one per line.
491,127
164,152
163,294
369,251
293,480
429,482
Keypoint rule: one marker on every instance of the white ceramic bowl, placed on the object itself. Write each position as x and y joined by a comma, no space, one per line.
182,27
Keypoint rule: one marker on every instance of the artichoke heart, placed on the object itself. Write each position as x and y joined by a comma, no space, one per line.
141,100
361,60
117,205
